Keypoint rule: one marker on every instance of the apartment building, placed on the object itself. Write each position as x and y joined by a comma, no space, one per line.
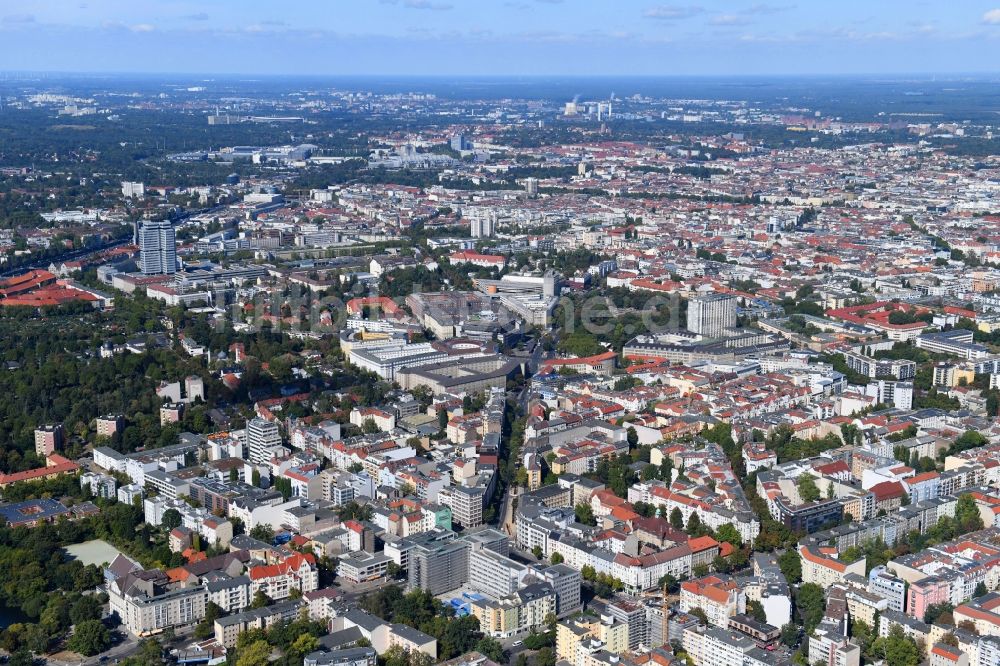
719,598
821,566
521,612
466,504
576,637
228,628
146,601
231,594
295,572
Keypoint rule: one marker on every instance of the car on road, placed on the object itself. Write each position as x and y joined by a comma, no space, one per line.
517,644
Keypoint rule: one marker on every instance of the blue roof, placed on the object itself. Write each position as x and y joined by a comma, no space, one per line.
31,510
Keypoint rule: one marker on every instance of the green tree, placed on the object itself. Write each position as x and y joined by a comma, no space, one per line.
676,518
898,648
260,600
206,627
551,620
810,603
967,514
791,565
850,433
90,637
257,653
87,607
490,648
150,654
667,470
934,612
172,518
669,582
694,523
584,514
23,657
808,490
545,657
863,635
970,439
263,533
728,533
790,635
302,645
700,614
580,343
721,564
521,478
557,558
756,610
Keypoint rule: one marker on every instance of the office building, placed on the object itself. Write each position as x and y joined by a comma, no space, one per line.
438,566
632,614
884,584
466,504
157,247
494,573
483,225
531,187
711,315
566,581
957,342
133,190
262,436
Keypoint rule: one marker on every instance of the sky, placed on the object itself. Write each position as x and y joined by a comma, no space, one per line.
501,37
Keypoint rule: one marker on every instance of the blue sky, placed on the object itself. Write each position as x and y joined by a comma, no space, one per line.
501,37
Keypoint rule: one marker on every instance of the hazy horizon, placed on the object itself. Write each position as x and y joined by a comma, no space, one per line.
502,38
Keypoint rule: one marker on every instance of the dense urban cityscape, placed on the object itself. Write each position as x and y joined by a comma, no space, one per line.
588,372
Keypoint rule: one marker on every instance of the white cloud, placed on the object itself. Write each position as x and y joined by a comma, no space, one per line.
118,25
992,17
673,12
729,19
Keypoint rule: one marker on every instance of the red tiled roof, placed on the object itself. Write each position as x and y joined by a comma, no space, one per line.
55,464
